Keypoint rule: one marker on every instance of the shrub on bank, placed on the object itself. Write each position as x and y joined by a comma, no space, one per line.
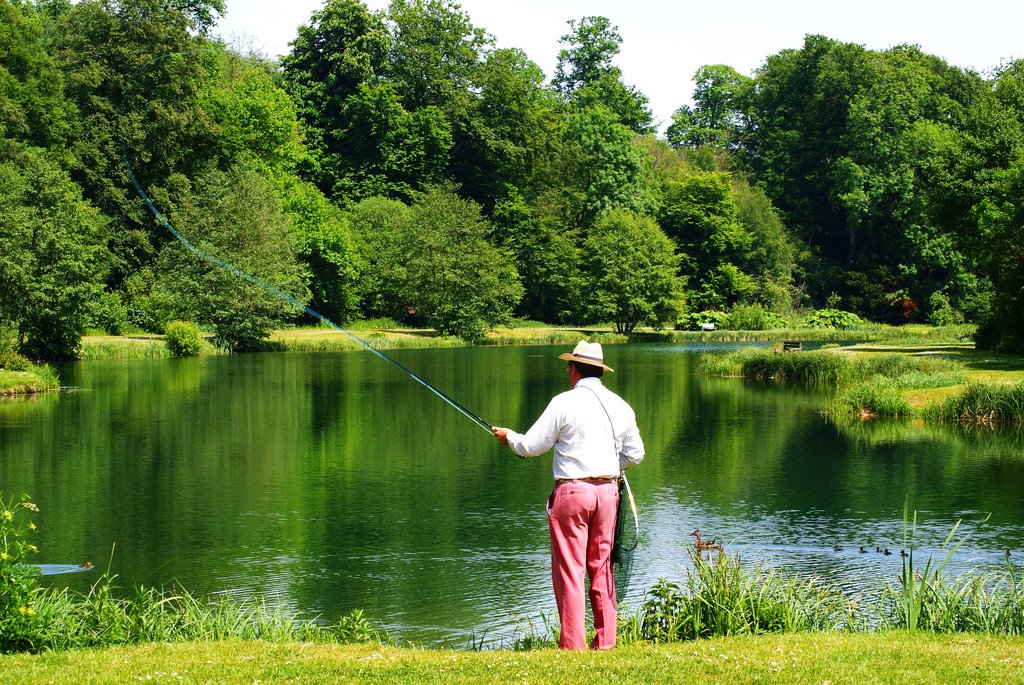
183,339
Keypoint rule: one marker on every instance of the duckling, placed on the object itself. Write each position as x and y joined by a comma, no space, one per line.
87,565
837,548
903,553
862,550
878,549
1007,552
886,551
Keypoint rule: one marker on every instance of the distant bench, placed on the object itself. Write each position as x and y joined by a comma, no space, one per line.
792,346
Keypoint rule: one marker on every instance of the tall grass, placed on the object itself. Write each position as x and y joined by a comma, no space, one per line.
103,618
983,404
879,396
720,598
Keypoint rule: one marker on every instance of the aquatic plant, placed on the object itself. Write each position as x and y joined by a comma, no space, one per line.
983,404
19,613
720,597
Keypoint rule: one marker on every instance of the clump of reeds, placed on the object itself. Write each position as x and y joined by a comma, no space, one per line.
879,396
983,404
126,348
991,602
101,618
720,598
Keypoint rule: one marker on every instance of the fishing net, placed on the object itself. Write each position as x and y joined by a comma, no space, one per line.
627,535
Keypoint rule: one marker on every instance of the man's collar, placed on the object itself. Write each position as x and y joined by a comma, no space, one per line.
588,381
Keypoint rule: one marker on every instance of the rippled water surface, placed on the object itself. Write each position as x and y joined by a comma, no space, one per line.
330,482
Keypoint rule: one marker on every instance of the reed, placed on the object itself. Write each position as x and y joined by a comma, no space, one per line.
104,618
879,396
721,598
36,378
982,404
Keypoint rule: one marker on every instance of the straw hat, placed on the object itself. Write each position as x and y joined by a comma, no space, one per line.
587,353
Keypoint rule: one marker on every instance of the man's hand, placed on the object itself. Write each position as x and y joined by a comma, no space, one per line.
501,434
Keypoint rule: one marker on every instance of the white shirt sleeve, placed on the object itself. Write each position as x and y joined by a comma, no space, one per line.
542,434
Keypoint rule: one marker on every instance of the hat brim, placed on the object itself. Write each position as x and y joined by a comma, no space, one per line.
570,357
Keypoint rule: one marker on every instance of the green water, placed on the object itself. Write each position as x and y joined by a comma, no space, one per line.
329,482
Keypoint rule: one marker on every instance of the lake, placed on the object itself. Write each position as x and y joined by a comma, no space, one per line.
327,482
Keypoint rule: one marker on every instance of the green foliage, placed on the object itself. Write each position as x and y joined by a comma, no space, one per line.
833,318
182,339
984,404
694,321
753,317
717,117
721,598
602,168
236,217
19,607
324,242
699,214
942,312
381,233
548,259
458,282
632,266
586,77
51,255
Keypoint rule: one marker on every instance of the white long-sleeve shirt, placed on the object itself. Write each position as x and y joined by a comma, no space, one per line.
586,446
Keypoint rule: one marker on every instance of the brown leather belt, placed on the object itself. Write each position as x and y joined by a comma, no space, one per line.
606,479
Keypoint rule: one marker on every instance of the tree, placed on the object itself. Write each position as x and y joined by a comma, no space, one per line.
134,72
1001,220
343,48
585,75
602,169
547,257
323,239
381,234
847,141
51,254
633,272
33,108
459,282
717,117
236,217
699,214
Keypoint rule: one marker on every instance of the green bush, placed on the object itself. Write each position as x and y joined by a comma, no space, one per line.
109,313
754,317
19,614
833,318
693,320
182,339
942,312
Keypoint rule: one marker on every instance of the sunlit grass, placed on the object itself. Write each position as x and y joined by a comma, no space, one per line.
38,378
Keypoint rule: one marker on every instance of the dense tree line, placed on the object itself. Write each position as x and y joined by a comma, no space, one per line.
398,165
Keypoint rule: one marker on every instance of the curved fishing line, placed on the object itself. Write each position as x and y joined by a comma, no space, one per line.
216,261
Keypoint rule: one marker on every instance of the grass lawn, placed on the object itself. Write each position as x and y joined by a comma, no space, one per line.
817,659
23,382
981,366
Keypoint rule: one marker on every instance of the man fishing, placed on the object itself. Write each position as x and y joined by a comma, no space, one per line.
595,437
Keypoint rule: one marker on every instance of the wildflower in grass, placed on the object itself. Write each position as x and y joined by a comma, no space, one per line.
31,506
27,611
8,515
4,556
31,526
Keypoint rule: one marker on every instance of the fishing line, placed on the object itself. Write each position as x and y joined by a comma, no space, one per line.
216,261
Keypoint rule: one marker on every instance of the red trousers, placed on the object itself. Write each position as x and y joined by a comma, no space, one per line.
581,519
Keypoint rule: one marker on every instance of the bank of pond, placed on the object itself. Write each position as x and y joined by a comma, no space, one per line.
931,383
719,597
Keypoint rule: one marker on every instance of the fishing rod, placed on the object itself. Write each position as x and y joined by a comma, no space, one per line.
216,261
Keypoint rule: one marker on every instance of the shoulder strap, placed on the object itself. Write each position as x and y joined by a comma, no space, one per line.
615,439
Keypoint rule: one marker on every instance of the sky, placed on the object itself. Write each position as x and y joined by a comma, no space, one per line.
665,42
